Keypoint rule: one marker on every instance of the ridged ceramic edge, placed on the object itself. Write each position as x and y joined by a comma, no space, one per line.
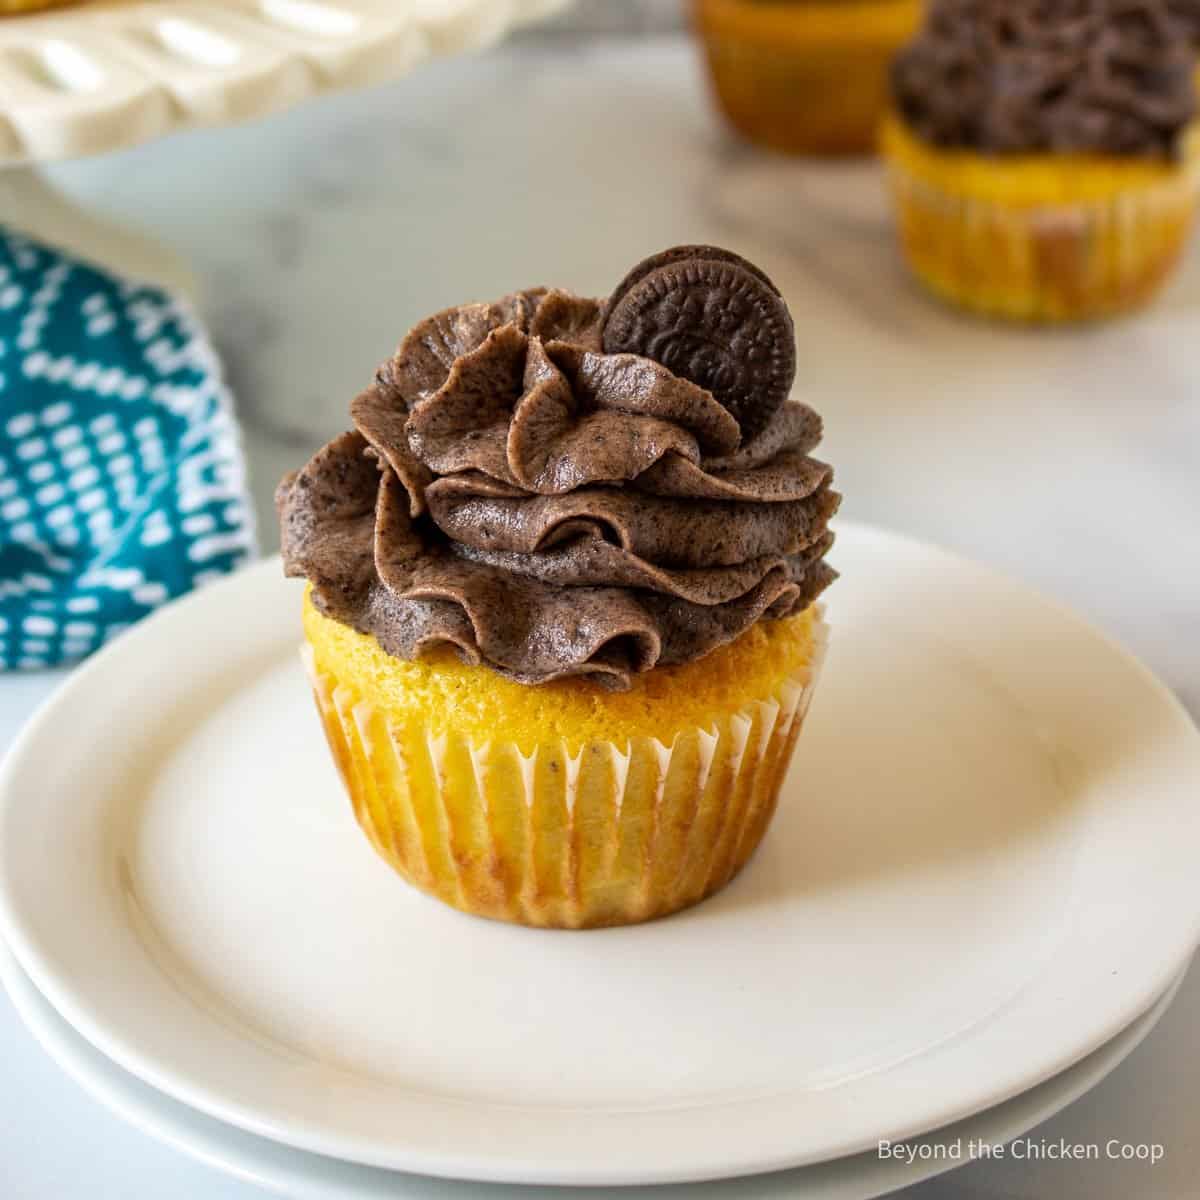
104,77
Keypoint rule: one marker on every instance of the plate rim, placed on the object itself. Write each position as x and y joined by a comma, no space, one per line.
523,1168
130,1100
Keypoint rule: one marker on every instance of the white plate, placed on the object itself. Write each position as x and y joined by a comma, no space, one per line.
983,869
113,73
304,1176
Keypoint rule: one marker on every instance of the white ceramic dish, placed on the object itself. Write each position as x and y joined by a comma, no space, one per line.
983,869
304,1176
109,74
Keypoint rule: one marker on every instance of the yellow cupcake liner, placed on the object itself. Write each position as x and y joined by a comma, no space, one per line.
607,835
809,77
1039,238
16,7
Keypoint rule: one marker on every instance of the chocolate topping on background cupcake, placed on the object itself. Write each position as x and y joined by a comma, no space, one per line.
1021,76
556,486
1187,13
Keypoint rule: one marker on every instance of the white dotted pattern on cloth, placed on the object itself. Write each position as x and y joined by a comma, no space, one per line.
121,478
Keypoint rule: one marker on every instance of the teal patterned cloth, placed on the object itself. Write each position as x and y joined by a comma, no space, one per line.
121,478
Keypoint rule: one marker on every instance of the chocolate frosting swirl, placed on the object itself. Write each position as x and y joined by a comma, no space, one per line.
1020,76
1187,13
551,510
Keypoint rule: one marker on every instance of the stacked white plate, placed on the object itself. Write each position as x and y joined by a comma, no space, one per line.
977,897
107,74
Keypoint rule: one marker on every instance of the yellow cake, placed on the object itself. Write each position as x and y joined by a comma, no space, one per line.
564,805
1038,237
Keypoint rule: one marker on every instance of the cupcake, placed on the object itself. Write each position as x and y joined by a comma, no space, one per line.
560,617
1039,154
17,7
804,76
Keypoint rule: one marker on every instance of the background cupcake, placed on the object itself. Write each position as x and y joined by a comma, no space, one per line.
560,618
804,76
14,7
1039,155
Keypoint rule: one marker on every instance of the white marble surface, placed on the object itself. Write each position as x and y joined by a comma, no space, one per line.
1069,459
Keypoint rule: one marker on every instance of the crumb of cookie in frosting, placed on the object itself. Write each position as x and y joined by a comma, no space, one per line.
445,692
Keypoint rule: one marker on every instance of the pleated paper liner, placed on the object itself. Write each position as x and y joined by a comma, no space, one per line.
606,835
808,77
1068,260
13,7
